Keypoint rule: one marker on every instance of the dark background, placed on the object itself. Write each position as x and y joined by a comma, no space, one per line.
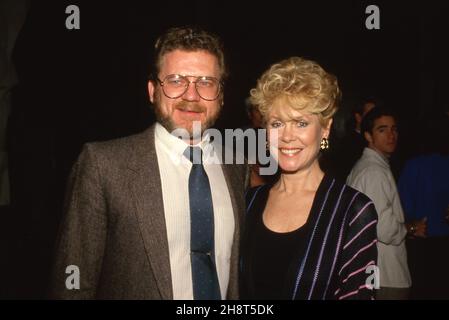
90,84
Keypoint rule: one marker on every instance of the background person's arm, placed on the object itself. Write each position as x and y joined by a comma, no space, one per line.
375,184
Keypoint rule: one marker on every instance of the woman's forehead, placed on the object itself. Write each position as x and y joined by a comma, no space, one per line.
287,112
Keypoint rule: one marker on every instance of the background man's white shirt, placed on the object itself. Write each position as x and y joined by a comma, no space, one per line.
372,176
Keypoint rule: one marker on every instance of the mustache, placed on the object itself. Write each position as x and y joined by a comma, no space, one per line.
189,106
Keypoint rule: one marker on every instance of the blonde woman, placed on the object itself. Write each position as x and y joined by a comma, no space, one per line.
307,236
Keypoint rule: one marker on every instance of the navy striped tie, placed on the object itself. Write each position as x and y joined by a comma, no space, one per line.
202,254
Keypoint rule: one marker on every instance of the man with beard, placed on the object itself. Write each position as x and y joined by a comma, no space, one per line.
140,222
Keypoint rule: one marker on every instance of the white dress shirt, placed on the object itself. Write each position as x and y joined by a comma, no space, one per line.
174,170
372,176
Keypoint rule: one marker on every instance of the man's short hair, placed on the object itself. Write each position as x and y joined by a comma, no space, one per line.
188,39
360,105
367,124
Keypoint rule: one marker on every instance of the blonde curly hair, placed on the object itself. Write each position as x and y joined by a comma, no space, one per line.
302,84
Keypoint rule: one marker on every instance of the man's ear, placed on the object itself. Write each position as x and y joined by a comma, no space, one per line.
221,97
151,89
368,137
358,117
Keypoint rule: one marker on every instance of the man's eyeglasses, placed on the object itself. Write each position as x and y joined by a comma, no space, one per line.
175,85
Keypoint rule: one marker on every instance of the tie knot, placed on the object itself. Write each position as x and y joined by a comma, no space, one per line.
194,154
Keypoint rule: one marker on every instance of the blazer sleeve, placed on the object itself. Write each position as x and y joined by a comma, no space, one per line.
375,184
359,252
82,232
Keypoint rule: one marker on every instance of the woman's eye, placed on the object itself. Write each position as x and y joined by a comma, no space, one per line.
275,124
302,124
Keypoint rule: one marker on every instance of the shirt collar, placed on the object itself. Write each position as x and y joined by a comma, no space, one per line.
376,155
176,146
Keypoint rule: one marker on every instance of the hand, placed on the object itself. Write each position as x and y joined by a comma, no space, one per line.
420,228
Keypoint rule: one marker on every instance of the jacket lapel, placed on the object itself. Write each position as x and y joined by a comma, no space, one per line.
145,182
146,188
235,188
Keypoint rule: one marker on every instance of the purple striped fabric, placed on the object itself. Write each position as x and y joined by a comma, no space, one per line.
317,270
353,292
358,234
360,212
330,263
310,242
355,256
337,250
358,271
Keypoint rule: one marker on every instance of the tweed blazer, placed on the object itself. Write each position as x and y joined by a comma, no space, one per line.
114,229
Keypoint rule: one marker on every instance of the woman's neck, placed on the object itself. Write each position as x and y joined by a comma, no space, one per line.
304,180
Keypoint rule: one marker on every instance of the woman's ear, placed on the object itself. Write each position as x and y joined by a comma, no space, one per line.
327,128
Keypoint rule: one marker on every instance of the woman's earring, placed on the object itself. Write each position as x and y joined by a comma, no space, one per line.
324,144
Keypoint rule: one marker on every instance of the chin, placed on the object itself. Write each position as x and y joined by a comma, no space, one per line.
289,171
289,168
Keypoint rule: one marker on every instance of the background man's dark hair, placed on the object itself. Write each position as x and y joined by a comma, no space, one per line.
376,113
360,105
189,39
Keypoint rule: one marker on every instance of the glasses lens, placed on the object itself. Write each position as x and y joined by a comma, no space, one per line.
208,88
176,85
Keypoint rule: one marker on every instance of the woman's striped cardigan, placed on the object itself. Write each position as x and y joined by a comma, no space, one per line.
338,258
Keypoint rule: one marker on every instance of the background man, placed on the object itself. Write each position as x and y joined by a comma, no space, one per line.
372,176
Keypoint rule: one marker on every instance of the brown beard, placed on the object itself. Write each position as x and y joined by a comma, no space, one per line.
170,126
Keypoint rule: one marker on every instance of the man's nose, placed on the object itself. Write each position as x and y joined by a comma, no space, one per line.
391,134
191,94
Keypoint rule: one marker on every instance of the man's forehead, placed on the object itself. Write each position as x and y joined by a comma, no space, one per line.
198,62
384,121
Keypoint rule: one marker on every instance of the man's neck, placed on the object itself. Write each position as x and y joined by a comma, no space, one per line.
384,155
